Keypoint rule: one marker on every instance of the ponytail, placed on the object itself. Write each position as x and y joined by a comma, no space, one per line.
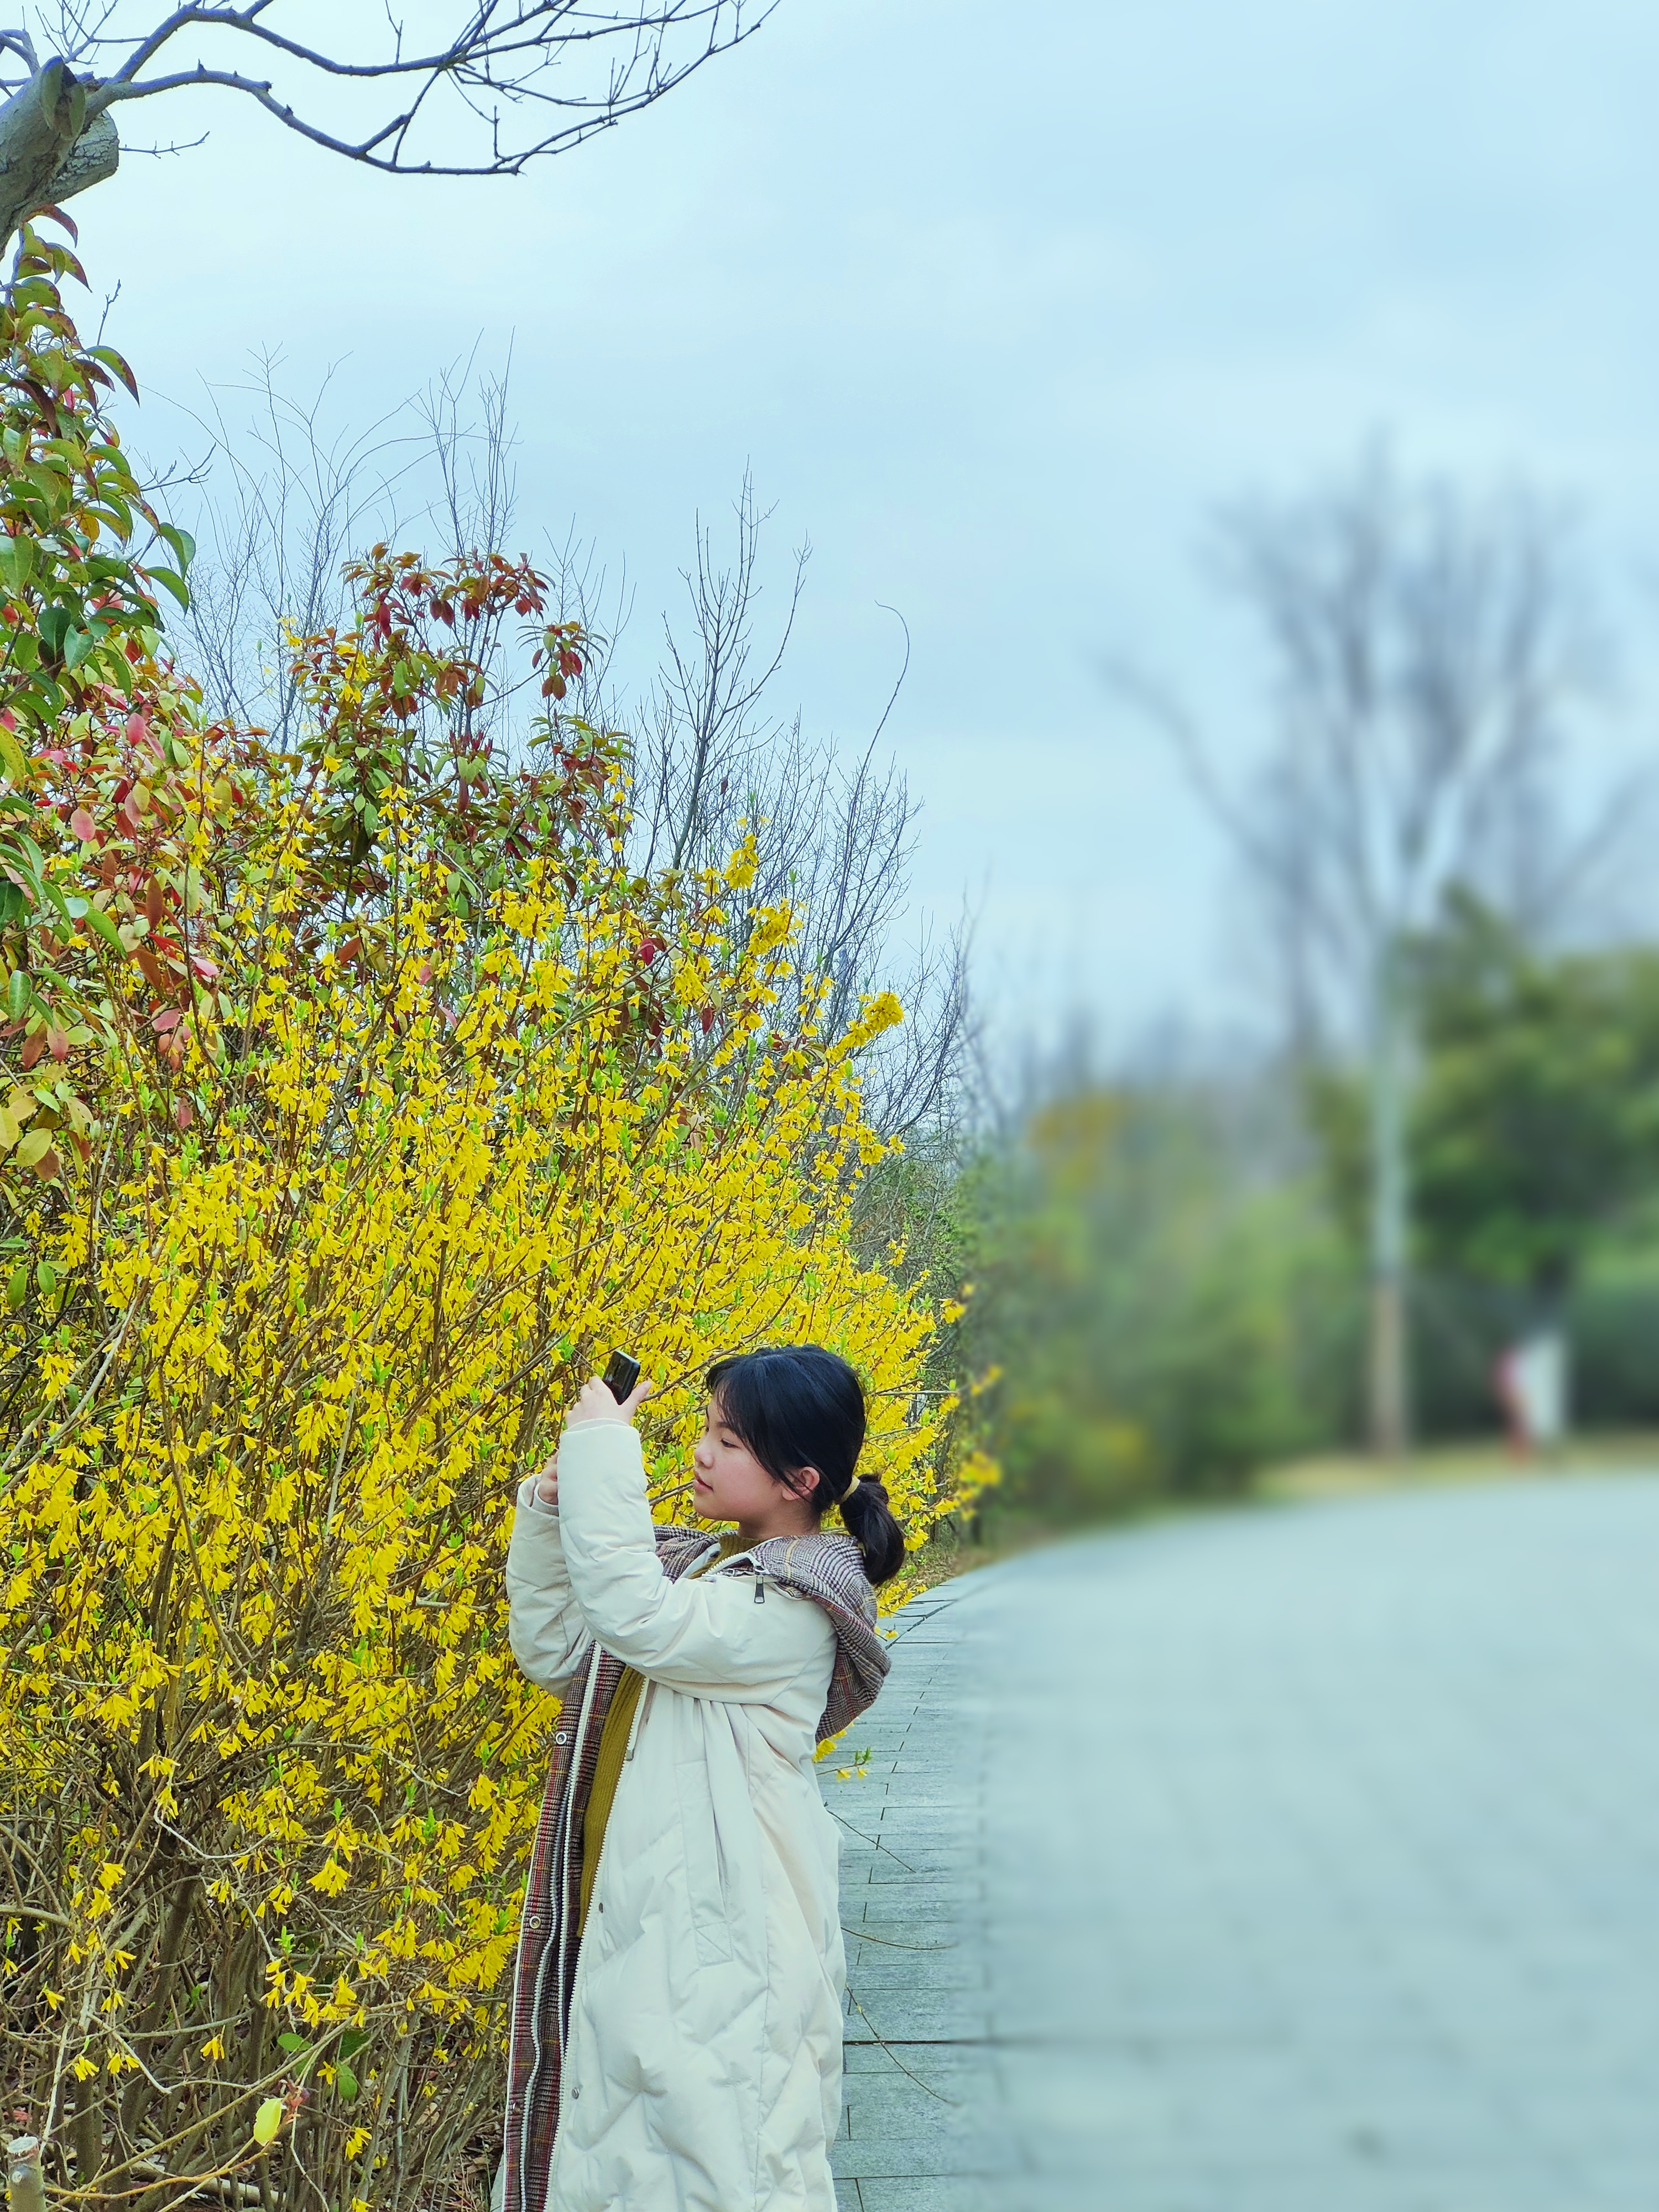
870,1523
797,1406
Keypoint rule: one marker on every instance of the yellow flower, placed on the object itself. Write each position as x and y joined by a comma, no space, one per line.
744,865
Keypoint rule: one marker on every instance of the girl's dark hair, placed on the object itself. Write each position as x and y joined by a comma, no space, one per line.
796,1406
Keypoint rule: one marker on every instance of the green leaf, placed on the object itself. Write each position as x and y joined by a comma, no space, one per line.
105,928
176,584
17,1285
18,993
34,1148
52,484
54,897
267,2120
290,2041
111,359
12,756
16,562
17,1109
77,646
181,542
346,2083
352,2041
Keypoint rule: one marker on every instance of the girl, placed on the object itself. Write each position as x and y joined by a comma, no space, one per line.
677,2011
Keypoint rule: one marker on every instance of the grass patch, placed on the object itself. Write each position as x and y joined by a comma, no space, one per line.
1349,1475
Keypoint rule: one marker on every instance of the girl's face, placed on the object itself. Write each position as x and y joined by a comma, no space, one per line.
729,1483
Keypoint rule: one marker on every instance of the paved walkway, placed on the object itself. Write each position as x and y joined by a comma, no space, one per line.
1299,1861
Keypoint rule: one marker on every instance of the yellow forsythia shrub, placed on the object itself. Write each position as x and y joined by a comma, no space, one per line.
272,1775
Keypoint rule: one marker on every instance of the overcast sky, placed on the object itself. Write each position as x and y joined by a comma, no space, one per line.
997,303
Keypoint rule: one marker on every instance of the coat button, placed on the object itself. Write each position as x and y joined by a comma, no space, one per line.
532,1924
574,2093
562,1737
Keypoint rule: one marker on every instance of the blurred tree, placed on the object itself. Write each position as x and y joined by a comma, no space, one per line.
1424,653
1537,1125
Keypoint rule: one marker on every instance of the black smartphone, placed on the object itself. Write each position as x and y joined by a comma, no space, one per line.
621,1375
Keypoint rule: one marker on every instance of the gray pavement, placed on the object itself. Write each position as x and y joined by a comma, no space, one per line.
1304,1860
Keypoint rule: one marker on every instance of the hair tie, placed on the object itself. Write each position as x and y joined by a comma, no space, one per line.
850,1488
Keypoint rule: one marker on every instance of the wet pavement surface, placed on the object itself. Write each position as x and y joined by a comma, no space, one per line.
1300,1860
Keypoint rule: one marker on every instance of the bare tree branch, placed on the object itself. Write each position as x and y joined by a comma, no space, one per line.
514,80
288,501
835,835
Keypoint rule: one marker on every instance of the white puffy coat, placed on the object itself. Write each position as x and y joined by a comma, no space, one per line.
702,2069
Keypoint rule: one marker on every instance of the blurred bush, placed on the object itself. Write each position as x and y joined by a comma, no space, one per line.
1160,1312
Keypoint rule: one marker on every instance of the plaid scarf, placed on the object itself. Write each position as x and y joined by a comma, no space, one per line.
829,1570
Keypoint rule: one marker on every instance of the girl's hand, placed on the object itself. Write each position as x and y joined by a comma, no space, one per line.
597,1404
547,1485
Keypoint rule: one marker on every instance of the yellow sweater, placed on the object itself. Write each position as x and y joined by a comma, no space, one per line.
613,1750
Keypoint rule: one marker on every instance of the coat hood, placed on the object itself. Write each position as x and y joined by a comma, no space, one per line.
830,1570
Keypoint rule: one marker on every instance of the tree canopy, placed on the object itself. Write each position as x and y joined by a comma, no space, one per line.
1538,1118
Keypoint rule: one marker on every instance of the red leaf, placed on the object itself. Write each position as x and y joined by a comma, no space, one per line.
707,1019
184,1113
48,1167
57,1042
207,970
32,1047
153,970
152,901
167,1018
83,826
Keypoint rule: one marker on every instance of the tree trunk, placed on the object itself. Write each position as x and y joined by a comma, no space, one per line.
1388,1381
1390,1364
48,150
